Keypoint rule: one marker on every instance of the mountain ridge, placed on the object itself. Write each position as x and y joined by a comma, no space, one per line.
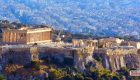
96,17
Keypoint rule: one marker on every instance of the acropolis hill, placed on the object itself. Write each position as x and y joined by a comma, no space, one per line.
24,37
25,44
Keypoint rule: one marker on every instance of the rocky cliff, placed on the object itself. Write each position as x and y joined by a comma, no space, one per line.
115,62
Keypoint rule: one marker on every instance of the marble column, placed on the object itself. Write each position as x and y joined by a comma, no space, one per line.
29,37
14,38
45,35
8,37
4,36
17,38
42,36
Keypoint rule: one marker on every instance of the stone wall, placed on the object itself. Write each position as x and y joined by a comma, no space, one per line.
56,53
121,51
109,42
81,56
131,43
18,55
84,43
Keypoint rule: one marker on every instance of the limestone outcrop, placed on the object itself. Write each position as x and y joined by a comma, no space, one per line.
115,62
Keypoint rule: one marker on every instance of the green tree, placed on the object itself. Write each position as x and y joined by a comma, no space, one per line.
78,77
98,58
124,71
116,78
88,78
67,77
68,61
95,75
2,77
55,74
35,65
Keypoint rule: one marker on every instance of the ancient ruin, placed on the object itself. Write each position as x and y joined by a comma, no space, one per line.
27,35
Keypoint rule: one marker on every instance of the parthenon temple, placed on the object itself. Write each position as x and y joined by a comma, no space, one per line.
27,35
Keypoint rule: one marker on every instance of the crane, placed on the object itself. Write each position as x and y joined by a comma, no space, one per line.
58,38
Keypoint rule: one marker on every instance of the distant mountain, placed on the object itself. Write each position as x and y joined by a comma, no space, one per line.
97,17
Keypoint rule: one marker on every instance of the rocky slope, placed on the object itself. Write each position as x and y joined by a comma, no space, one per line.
116,62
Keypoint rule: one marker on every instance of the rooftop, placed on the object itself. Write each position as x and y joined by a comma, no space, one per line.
29,29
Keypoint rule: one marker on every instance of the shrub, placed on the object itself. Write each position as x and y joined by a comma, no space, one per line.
67,77
68,61
88,78
78,77
55,74
98,58
2,77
